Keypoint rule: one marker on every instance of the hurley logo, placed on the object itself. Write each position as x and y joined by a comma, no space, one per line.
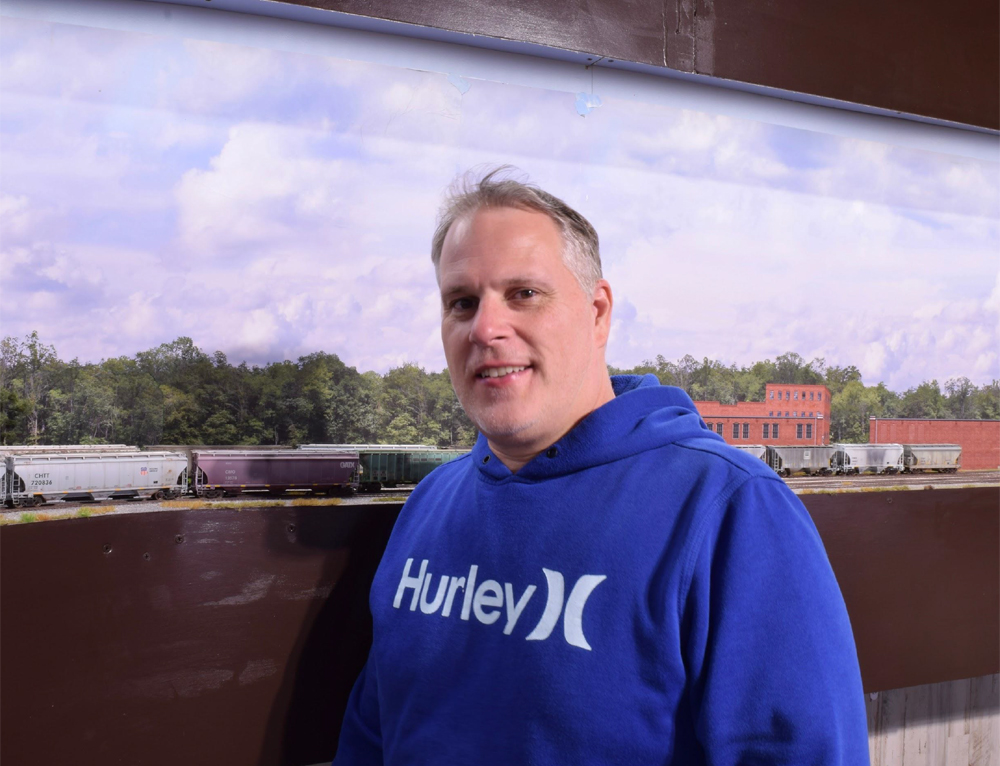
487,600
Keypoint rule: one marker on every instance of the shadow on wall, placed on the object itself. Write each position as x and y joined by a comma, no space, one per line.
334,638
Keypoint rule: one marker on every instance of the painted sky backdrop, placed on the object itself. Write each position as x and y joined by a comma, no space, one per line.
271,204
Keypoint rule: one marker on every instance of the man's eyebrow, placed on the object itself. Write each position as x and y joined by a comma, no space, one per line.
525,280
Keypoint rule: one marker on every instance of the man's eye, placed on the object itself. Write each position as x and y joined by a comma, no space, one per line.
526,292
462,304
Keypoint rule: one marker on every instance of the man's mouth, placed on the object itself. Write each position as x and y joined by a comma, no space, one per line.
499,372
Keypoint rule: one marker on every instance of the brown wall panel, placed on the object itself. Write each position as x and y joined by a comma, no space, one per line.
199,637
224,636
916,56
920,573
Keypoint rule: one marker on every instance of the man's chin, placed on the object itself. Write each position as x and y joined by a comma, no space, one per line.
499,428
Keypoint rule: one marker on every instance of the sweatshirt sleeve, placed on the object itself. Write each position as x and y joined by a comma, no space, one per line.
773,669
360,741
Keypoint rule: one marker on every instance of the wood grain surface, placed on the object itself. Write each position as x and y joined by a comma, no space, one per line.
913,56
956,723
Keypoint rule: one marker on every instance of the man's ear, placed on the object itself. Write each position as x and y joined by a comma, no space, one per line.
602,303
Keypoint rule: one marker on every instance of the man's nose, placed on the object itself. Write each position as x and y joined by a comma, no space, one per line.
491,322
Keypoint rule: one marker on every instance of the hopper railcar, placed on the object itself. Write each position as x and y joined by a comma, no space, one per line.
868,458
814,459
37,477
232,472
942,458
758,451
389,465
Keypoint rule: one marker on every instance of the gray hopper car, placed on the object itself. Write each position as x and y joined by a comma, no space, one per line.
786,460
32,478
230,472
758,451
864,458
944,458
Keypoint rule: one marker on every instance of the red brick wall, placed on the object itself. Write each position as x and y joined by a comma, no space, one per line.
794,400
980,439
787,431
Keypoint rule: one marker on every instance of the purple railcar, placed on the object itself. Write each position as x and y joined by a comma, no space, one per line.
229,472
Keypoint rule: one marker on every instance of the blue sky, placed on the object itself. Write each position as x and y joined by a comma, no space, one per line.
271,204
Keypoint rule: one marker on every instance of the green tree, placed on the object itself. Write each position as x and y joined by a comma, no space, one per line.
923,401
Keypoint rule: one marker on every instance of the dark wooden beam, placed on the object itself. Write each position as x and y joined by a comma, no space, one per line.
918,57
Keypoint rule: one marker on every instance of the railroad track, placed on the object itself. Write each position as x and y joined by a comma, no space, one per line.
882,481
798,484
61,507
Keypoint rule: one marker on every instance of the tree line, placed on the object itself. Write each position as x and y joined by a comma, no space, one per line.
177,393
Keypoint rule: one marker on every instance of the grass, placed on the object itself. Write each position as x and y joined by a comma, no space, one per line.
393,499
317,501
845,490
184,504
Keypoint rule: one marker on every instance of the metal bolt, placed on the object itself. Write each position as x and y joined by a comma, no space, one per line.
107,549
145,557
888,499
291,527
179,539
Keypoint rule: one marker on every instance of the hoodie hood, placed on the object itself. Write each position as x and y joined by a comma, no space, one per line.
644,415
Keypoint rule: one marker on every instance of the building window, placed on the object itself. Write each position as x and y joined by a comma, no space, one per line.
746,430
820,396
767,429
809,430
736,430
786,413
771,395
718,428
798,430
795,414
779,395
810,396
774,430
795,395
771,414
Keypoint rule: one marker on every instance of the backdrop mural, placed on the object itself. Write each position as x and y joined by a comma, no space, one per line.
272,205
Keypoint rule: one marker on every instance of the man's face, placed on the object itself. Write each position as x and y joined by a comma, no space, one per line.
509,301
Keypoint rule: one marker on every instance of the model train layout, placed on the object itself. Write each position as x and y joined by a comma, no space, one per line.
39,474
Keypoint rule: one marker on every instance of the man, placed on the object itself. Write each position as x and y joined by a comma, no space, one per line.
602,580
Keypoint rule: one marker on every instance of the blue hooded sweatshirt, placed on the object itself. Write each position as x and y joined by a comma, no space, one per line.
639,593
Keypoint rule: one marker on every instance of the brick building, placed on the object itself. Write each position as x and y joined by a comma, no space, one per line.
789,414
980,439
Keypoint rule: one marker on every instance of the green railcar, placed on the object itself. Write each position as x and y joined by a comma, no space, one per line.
390,469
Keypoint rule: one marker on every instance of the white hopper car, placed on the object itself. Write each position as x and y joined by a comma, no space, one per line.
32,478
865,458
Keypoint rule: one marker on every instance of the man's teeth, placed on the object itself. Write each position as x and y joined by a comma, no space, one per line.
499,372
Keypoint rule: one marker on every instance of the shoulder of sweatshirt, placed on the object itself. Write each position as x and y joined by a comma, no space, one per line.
712,451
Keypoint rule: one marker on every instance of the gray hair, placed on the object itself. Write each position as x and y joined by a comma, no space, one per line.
581,248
